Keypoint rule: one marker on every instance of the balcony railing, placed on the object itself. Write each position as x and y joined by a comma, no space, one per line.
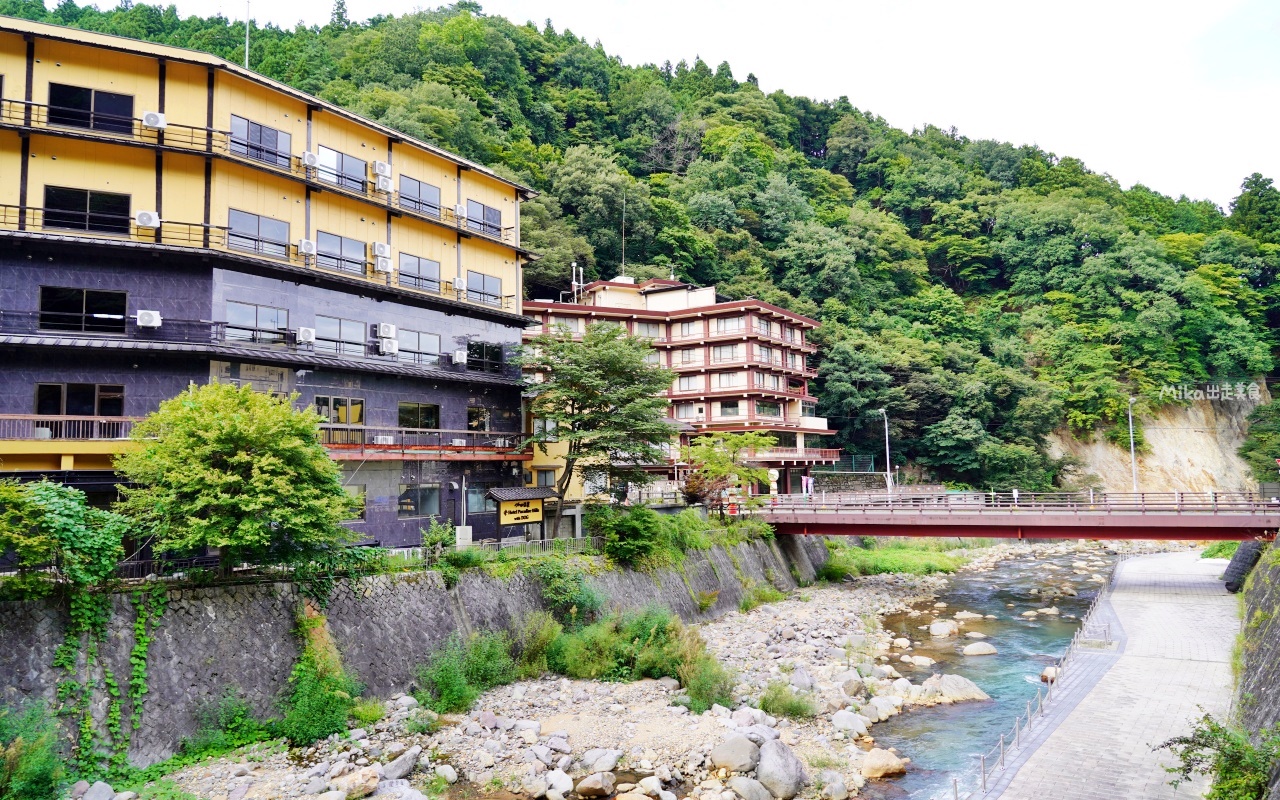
117,230
796,454
63,427
91,125
361,441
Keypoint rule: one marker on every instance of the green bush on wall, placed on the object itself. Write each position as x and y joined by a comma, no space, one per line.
30,767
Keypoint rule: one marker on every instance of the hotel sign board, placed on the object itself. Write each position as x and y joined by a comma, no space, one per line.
519,512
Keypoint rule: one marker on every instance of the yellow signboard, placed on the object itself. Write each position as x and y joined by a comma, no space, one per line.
518,512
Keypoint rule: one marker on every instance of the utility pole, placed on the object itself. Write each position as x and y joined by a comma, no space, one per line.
888,469
623,269
246,33
1133,452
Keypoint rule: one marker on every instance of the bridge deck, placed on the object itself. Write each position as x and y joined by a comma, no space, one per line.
1028,515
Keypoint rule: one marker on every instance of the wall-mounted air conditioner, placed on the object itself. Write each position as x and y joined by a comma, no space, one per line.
149,319
459,356
384,184
310,159
388,347
382,169
386,330
382,249
460,211
153,120
382,265
306,335
146,219
306,247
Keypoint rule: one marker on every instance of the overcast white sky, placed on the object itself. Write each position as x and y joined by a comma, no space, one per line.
1181,95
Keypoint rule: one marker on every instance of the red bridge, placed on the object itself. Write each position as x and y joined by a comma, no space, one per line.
1027,515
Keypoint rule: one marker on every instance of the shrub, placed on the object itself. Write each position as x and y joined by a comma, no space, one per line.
537,634
707,599
443,679
367,712
422,721
1240,768
30,768
320,702
487,661
704,678
222,725
566,592
632,536
759,593
1220,550
780,700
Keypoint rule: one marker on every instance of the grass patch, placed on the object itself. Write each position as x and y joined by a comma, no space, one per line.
845,561
1220,550
780,700
758,594
367,712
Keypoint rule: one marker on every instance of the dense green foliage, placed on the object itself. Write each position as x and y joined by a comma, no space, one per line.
1220,550
1239,765
321,694
906,557
30,765
53,534
235,469
457,673
223,726
780,700
980,292
1262,447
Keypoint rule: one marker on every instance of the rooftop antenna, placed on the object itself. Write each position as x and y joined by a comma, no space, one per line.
246,33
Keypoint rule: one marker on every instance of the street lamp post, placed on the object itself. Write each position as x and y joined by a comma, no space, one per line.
1133,452
888,468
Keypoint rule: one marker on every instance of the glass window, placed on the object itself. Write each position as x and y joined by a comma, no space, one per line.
686,411
725,352
419,196
419,500
690,329
727,380
689,383
418,347
729,325
484,218
808,409
571,323
729,408
483,288
649,330
767,355
340,253
546,477
79,399
257,234
691,356
79,107
260,142
484,357
341,169
419,415
341,410
356,490
419,273
477,502
85,310
477,418
653,357
249,322
766,408
547,426
767,381
335,335
85,210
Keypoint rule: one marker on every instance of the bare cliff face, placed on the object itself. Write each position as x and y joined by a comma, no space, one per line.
1190,448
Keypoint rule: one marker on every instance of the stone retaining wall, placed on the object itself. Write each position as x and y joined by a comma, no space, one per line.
240,638
1258,684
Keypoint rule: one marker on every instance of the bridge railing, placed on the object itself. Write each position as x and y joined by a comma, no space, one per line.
1024,502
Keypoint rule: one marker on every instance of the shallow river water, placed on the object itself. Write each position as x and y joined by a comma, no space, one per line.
943,742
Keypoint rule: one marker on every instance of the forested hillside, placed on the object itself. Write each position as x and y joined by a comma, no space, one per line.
982,293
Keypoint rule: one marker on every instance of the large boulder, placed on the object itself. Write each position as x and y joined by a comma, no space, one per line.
736,754
360,783
599,760
558,781
597,784
833,785
943,629
747,716
955,688
849,721
878,763
402,765
780,771
760,733
749,788
802,680
979,649
100,791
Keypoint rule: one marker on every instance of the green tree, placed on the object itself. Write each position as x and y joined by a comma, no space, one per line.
1256,211
725,461
53,533
235,469
602,402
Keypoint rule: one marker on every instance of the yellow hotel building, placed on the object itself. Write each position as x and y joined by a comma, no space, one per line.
169,218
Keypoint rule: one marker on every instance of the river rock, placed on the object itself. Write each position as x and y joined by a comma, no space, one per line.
922,661
1051,611
802,680
403,764
833,785
955,688
878,763
597,784
979,649
338,795
852,686
760,733
99,791
558,781
598,760
360,783
901,643
736,754
976,635
747,716
749,788
125,796
967,615
448,773
1049,674
652,785
849,721
535,786
1029,614
780,771
943,629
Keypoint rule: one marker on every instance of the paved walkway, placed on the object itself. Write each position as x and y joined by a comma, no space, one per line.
1174,625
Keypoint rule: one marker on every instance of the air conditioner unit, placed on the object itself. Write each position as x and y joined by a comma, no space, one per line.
306,335
149,319
388,347
382,265
384,440
306,247
382,249
310,159
386,330
153,120
459,442
146,219
459,356
460,211
384,184
382,169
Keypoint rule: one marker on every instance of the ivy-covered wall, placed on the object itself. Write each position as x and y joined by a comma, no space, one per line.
1257,662
166,653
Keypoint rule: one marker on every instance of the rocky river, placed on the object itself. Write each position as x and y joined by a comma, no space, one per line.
912,676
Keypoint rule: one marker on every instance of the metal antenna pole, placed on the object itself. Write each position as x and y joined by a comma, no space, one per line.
623,270
1133,457
246,33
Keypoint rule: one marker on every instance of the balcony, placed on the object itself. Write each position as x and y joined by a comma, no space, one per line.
798,455
35,427
236,341
123,232
777,363
77,124
361,442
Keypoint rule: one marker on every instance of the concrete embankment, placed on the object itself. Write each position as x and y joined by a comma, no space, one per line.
1258,663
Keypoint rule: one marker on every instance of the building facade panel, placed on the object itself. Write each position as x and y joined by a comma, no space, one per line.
119,73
